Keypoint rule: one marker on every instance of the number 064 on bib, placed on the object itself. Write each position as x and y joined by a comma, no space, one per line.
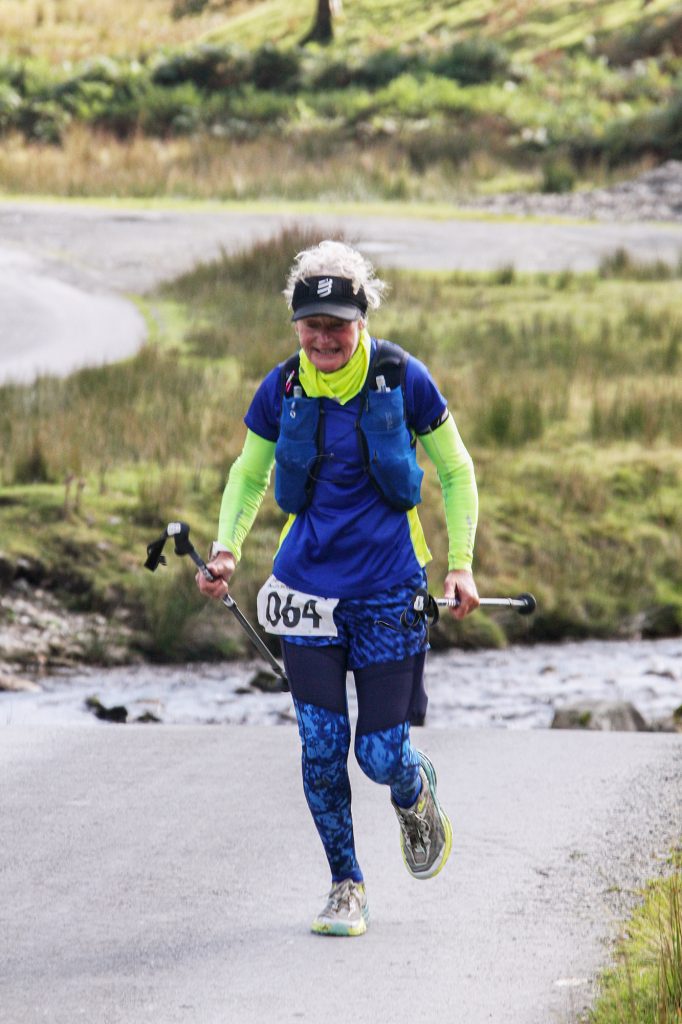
288,612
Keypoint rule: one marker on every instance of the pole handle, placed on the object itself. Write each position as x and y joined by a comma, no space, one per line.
183,546
424,607
525,604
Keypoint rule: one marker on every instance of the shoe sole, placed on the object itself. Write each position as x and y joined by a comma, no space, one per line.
438,864
339,929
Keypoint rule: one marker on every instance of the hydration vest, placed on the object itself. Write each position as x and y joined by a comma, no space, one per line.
387,445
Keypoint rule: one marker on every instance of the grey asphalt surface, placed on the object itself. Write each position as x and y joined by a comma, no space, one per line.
169,874
51,325
102,252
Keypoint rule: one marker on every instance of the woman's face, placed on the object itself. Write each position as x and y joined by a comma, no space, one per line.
328,343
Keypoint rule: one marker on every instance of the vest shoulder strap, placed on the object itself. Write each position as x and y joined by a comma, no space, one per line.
288,375
390,362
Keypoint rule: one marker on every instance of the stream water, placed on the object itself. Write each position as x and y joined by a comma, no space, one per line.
518,688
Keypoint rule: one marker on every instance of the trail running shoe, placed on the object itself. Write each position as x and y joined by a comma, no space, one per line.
425,829
346,912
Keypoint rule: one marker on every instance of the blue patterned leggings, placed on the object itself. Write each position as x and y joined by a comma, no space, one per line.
388,697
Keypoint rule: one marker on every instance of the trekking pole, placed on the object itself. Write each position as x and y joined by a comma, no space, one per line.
425,607
183,546
525,604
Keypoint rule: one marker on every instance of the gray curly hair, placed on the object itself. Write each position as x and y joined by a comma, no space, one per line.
338,260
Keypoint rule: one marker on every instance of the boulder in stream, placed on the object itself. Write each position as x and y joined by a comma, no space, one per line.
600,715
266,682
118,714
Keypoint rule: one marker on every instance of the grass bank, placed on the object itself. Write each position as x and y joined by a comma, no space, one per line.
644,985
565,387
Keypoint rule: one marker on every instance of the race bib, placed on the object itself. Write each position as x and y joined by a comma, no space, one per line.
288,612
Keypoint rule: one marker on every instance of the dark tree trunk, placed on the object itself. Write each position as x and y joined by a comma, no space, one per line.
322,30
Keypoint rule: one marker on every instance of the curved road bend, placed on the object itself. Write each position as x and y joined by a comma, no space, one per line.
63,266
52,324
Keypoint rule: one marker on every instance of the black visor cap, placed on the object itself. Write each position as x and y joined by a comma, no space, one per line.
328,296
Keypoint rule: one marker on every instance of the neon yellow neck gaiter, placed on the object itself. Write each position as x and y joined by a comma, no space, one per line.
343,384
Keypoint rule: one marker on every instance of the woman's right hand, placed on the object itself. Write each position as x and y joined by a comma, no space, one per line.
222,568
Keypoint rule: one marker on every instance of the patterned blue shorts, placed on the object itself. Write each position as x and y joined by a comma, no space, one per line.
357,621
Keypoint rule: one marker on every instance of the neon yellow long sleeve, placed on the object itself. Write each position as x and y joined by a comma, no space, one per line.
455,471
245,489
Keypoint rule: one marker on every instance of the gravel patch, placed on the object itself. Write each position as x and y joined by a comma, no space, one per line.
655,195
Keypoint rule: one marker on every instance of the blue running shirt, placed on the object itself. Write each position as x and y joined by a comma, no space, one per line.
348,542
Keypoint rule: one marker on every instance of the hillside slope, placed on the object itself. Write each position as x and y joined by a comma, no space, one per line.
57,30
463,99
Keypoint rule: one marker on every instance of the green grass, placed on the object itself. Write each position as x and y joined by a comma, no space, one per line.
644,986
565,387
528,28
72,31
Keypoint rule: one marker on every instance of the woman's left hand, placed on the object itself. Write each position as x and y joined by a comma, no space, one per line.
460,583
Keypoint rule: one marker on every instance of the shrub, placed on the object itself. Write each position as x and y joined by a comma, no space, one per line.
98,83
86,100
375,71
261,106
29,79
12,73
473,61
106,69
411,97
558,176
210,68
658,132
667,129
171,111
382,67
275,69
336,75
42,121
10,105
152,109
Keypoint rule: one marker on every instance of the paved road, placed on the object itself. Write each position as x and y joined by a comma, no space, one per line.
53,325
161,875
98,252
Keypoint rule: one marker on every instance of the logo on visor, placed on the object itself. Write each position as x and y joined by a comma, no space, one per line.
324,287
